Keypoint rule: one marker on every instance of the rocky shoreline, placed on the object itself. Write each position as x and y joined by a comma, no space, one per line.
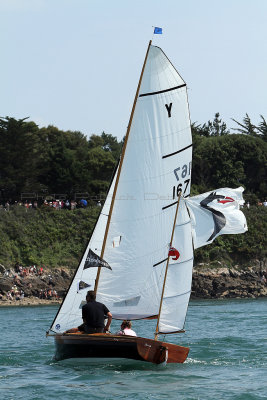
209,282
47,288
222,282
30,301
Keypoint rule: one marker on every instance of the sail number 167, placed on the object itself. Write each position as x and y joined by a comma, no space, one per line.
180,174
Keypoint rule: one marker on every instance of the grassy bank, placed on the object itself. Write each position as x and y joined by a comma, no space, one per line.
45,236
58,238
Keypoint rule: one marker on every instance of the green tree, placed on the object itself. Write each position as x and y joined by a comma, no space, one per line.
247,127
22,154
230,160
66,157
103,155
217,127
212,128
262,127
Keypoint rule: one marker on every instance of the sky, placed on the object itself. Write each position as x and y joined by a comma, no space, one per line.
75,64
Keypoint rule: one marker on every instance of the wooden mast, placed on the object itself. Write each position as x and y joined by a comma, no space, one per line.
120,166
167,266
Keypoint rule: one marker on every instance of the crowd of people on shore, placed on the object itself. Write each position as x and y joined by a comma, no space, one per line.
14,294
55,204
48,294
17,294
59,204
26,271
259,204
264,203
19,274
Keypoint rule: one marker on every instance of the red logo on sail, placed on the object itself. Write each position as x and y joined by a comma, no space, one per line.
174,253
226,200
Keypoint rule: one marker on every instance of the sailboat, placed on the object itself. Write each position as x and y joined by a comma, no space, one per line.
139,259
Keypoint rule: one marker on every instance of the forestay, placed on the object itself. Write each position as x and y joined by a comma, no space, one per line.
156,166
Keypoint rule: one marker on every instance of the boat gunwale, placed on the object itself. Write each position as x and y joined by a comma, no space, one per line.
107,337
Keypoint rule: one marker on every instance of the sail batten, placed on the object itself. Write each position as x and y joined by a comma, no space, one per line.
172,263
177,295
177,152
162,91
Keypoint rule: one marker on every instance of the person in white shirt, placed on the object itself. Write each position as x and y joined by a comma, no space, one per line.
126,329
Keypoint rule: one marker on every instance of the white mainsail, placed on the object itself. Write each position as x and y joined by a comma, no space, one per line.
156,167
157,164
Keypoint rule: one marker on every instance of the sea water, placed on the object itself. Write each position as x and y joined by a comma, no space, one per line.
227,359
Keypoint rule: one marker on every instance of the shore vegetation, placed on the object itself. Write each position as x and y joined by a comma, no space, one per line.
41,164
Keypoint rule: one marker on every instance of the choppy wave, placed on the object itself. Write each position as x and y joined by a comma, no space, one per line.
227,359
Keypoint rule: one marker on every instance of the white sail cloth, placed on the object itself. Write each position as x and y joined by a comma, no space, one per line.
216,213
179,277
70,313
157,165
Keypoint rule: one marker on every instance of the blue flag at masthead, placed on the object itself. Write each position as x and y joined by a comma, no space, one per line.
157,30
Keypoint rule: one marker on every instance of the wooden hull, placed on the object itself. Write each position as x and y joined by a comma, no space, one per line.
103,346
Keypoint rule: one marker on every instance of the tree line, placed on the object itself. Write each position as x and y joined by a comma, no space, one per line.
225,159
48,160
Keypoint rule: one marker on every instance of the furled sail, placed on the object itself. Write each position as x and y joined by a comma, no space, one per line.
156,167
216,213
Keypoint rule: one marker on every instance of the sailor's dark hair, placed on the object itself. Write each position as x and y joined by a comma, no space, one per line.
126,324
91,295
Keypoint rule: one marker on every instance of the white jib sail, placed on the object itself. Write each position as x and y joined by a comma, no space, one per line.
70,313
178,282
216,213
157,165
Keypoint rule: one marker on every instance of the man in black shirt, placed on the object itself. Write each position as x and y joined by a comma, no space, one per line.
93,314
